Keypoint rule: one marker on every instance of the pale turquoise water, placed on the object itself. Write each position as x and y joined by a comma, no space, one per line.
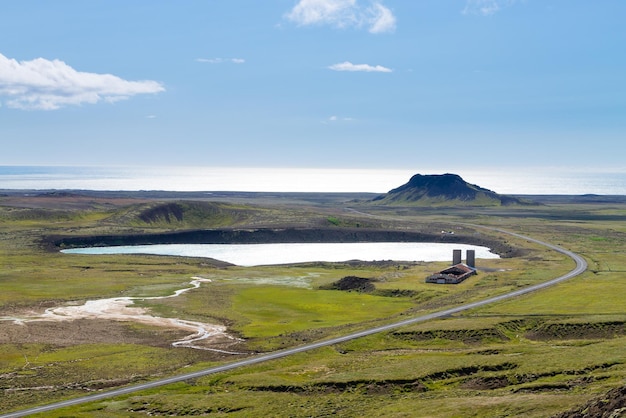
268,254
501,180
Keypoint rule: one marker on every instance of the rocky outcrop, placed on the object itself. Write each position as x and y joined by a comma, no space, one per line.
444,189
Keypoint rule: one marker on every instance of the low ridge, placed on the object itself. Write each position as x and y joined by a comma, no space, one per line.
444,189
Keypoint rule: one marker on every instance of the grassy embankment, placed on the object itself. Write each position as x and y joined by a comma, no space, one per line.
532,356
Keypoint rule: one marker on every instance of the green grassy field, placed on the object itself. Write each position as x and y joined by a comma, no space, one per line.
532,356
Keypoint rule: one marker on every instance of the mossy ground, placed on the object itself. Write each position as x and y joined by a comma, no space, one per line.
533,356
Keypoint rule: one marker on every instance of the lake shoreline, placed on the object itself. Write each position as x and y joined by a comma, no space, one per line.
279,235
253,255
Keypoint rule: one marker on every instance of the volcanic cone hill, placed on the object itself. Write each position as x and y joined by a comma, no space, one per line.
444,190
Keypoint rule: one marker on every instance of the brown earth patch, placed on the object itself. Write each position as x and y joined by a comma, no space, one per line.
467,336
353,283
65,201
486,383
565,331
610,405
367,387
86,331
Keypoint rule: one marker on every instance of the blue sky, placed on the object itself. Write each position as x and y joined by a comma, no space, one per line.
409,84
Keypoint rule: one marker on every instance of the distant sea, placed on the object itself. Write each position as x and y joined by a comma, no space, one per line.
505,181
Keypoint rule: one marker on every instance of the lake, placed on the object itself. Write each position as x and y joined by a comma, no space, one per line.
287,253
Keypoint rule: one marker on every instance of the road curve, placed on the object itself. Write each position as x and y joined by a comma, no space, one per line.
581,266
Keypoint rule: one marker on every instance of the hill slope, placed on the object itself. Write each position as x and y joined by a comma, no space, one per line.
444,190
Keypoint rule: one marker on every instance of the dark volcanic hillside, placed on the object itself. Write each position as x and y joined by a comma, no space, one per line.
444,189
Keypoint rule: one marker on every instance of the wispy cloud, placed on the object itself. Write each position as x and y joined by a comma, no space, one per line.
348,66
336,119
221,60
344,13
486,7
41,84
382,19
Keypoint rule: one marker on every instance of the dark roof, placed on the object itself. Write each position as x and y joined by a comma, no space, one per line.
458,269
453,274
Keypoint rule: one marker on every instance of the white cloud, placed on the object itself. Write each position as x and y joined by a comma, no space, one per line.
382,20
348,66
336,119
334,12
342,14
486,7
221,60
210,60
42,84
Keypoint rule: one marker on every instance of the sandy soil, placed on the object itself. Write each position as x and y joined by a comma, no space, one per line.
198,335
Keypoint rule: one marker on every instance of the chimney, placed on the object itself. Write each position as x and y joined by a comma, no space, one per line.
456,257
471,258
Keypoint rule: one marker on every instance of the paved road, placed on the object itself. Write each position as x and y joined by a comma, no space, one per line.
581,266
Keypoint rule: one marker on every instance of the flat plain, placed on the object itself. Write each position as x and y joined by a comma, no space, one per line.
537,355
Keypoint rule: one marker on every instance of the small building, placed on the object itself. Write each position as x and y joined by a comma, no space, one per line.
457,272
